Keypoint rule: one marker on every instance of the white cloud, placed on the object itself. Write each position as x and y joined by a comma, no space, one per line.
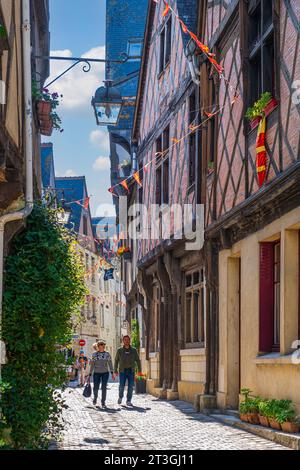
106,210
70,173
101,164
100,139
76,86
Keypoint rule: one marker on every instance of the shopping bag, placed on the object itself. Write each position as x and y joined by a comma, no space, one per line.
87,391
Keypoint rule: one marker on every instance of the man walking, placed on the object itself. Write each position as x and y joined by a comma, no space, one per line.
126,359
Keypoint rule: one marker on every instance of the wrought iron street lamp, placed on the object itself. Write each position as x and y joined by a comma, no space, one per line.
107,104
63,216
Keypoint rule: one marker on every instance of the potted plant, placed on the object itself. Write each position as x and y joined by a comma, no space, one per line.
140,383
46,104
263,412
126,167
286,416
249,407
275,408
263,107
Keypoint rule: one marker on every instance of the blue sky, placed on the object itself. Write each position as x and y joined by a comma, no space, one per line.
77,28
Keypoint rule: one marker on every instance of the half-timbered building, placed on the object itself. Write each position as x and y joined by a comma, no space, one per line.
170,278
12,106
252,225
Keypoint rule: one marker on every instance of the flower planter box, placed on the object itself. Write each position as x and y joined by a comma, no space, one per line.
290,427
244,417
274,424
44,108
46,127
268,109
140,386
253,418
263,421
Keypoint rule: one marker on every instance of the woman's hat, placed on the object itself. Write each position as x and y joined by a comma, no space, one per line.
101,341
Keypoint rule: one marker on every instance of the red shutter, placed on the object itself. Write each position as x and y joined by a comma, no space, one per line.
266,297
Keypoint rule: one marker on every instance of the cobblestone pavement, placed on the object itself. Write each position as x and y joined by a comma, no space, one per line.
151,424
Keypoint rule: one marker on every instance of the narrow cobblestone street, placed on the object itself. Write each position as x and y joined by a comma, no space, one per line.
151,424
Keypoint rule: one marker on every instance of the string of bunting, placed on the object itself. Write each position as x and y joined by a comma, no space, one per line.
192,128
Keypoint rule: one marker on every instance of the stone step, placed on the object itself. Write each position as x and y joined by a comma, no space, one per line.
285,439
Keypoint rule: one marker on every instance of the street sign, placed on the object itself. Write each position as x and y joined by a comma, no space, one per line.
82,342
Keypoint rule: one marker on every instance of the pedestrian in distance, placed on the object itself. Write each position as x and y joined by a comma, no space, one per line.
81,364
101,366
126,360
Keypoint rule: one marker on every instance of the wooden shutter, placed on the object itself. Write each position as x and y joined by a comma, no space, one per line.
266,297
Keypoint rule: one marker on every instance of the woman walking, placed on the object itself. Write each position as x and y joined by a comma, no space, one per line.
101,366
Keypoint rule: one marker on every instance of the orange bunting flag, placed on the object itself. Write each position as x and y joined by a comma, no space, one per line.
209,115
176,141
184,28
125,185
261,152
111,190
86,203
137,178
166,10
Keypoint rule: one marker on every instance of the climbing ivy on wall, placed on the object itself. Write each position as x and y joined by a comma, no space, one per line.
43,289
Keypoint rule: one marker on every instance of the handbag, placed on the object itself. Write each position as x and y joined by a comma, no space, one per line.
87,391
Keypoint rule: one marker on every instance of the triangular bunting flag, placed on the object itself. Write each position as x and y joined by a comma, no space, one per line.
137,178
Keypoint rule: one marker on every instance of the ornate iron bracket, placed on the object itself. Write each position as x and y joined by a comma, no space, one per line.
85,60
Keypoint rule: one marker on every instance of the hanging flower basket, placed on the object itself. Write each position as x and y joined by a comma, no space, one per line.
43,108
263,107
46,126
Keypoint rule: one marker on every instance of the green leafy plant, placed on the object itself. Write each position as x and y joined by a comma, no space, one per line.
246,392
284,410
52,98
259,106
2,31
135,334
250,405
43,290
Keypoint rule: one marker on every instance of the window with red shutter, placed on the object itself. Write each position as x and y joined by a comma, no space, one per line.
266,297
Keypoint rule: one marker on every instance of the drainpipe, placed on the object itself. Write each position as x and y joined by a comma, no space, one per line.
134,159
21,215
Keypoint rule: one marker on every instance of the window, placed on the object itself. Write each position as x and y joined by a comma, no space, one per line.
194,309
162,188
135,50
155,335
261,43
269,302
93,271
192,139
87,261
94,317
85,228
212,126
165,45
162,168
101,316
140,190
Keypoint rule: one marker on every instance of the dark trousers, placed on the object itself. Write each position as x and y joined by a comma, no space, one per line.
126,375
100,378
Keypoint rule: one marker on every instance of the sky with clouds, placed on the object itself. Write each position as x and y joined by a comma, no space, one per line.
78,30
